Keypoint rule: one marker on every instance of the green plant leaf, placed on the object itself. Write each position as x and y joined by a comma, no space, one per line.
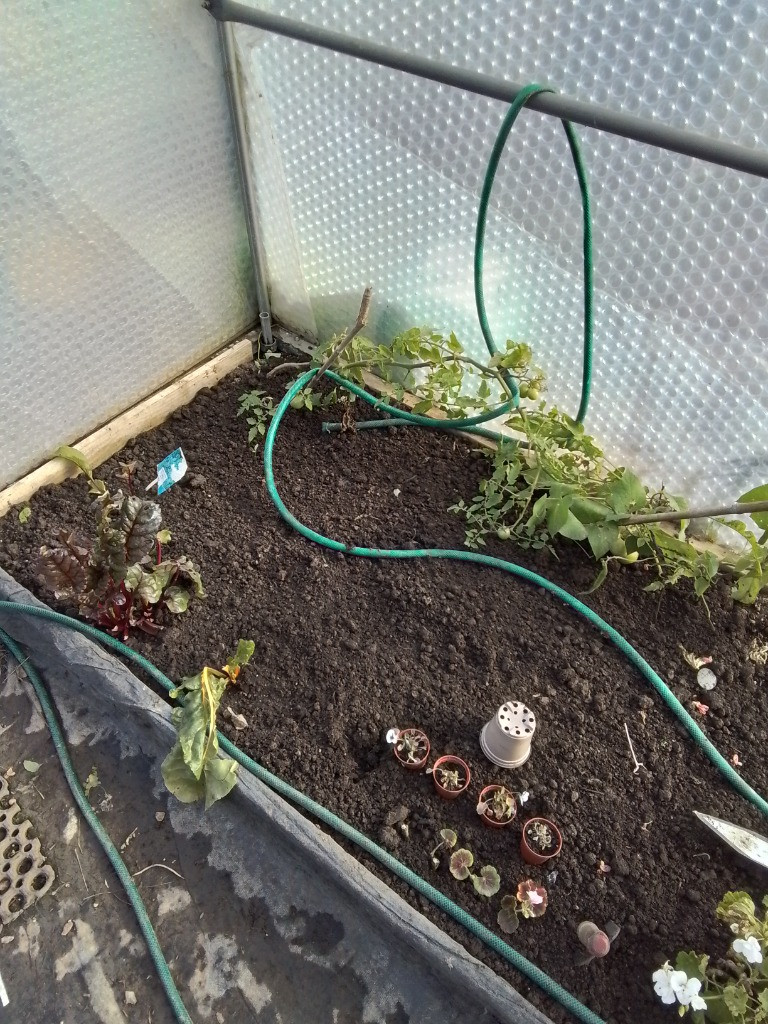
139,522
762,1001
601,536
189,570
242,655
747,588
599,580
75,456
24,514
460,863
589,510
625,492
177,600
538,512
152,584
219,776
507,918
757,494
573,528
164,536
670,545
557,516
692,964
487,881
736,908
179,779
193,730
32,767
449,837
735,998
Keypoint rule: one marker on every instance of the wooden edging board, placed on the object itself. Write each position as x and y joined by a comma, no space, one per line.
145,415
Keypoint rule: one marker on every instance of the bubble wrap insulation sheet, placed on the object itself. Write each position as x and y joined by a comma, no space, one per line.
123,253
383,172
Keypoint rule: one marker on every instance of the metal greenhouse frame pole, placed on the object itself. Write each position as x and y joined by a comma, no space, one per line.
591,115
229,57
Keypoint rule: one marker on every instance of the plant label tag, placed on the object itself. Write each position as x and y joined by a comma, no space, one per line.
170,470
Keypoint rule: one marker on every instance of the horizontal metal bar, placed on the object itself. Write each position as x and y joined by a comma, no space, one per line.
591,115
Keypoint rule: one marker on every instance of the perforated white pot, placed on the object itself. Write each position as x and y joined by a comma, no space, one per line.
506,739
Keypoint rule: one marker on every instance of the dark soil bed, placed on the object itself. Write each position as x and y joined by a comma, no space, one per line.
346,648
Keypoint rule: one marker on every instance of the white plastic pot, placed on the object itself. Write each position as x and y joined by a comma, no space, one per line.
506,739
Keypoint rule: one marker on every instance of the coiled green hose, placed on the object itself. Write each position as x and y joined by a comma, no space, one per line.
490,174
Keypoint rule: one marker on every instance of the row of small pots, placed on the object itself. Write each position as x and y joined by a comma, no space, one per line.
452,763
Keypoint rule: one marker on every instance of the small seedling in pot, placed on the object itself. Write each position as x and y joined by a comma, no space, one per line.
530,900
596,941
411,747
540,841
496,805
450,775
448,840
540,836
450,779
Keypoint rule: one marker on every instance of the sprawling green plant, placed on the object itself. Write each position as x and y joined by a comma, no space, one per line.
729,990
193,770
258,408
551,479
120,578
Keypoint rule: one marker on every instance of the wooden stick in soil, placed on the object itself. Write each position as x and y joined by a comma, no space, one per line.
738,508
339,349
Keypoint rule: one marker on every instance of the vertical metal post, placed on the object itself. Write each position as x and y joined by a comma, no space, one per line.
239,126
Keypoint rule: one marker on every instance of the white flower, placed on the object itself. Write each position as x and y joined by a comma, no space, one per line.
749,949
534,897
523,797
393,735
669,983
689,993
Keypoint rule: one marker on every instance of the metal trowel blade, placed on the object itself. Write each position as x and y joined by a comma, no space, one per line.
746,842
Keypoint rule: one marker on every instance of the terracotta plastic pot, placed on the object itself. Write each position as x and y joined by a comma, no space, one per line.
414,766
530,854
485,795
451,762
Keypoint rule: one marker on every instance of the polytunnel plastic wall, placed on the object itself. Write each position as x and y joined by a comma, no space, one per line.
124,256
379,182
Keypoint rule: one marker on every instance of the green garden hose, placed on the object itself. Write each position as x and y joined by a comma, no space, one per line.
497,563
440,900
519,962
498,148
479,268
122,872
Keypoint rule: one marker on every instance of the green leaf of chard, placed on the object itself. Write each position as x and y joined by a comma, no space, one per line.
242,655
177,600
